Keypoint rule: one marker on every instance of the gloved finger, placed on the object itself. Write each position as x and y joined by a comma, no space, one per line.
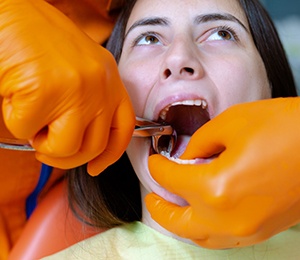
213,137
204,143
66,163
180,221
93,144
172,217
112,153
121,132
20,119
57,139
177,178
220,242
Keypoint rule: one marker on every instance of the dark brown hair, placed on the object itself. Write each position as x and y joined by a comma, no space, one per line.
113,197
270,48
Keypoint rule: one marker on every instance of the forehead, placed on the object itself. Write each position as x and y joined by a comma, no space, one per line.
183,9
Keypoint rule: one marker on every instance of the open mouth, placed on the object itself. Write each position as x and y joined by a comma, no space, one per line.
186,118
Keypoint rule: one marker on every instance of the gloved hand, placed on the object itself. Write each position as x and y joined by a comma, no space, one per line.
61,89
250,192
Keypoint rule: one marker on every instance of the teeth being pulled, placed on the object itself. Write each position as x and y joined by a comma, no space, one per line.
198,102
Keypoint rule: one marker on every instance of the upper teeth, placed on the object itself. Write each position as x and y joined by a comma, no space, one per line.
198,102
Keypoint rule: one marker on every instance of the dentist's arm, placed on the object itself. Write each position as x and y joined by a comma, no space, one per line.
246,195
60,89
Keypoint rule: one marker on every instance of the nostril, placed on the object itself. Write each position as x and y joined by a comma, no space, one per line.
167,73
185,71
188,70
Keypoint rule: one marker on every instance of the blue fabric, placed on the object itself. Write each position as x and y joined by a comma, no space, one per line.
31,201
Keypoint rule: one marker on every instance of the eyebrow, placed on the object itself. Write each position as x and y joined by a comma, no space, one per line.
148,21
203,18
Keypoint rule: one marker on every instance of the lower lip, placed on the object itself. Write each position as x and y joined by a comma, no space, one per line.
173,198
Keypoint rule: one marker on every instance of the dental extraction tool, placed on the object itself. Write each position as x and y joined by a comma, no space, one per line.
163,137
15,144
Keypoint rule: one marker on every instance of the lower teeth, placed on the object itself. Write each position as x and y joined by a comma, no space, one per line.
177,160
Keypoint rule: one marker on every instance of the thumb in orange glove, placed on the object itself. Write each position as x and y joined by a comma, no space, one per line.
60,88
250,192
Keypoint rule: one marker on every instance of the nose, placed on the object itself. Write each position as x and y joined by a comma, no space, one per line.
182,61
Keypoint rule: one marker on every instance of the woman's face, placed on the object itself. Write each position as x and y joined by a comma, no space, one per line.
184,62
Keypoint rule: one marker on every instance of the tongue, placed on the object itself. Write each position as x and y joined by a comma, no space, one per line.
186,120
182,141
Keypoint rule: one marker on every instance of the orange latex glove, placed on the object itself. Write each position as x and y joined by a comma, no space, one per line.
61,89
250,192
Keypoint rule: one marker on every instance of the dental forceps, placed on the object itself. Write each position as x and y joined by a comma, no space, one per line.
163,137
15,144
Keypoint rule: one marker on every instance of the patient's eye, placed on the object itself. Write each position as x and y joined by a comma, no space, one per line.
148,39
223,33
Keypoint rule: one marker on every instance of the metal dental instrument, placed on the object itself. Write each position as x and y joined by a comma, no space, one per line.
15,144
163,137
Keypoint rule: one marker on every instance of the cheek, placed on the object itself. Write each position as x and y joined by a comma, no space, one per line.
139,160
138,82
249,81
